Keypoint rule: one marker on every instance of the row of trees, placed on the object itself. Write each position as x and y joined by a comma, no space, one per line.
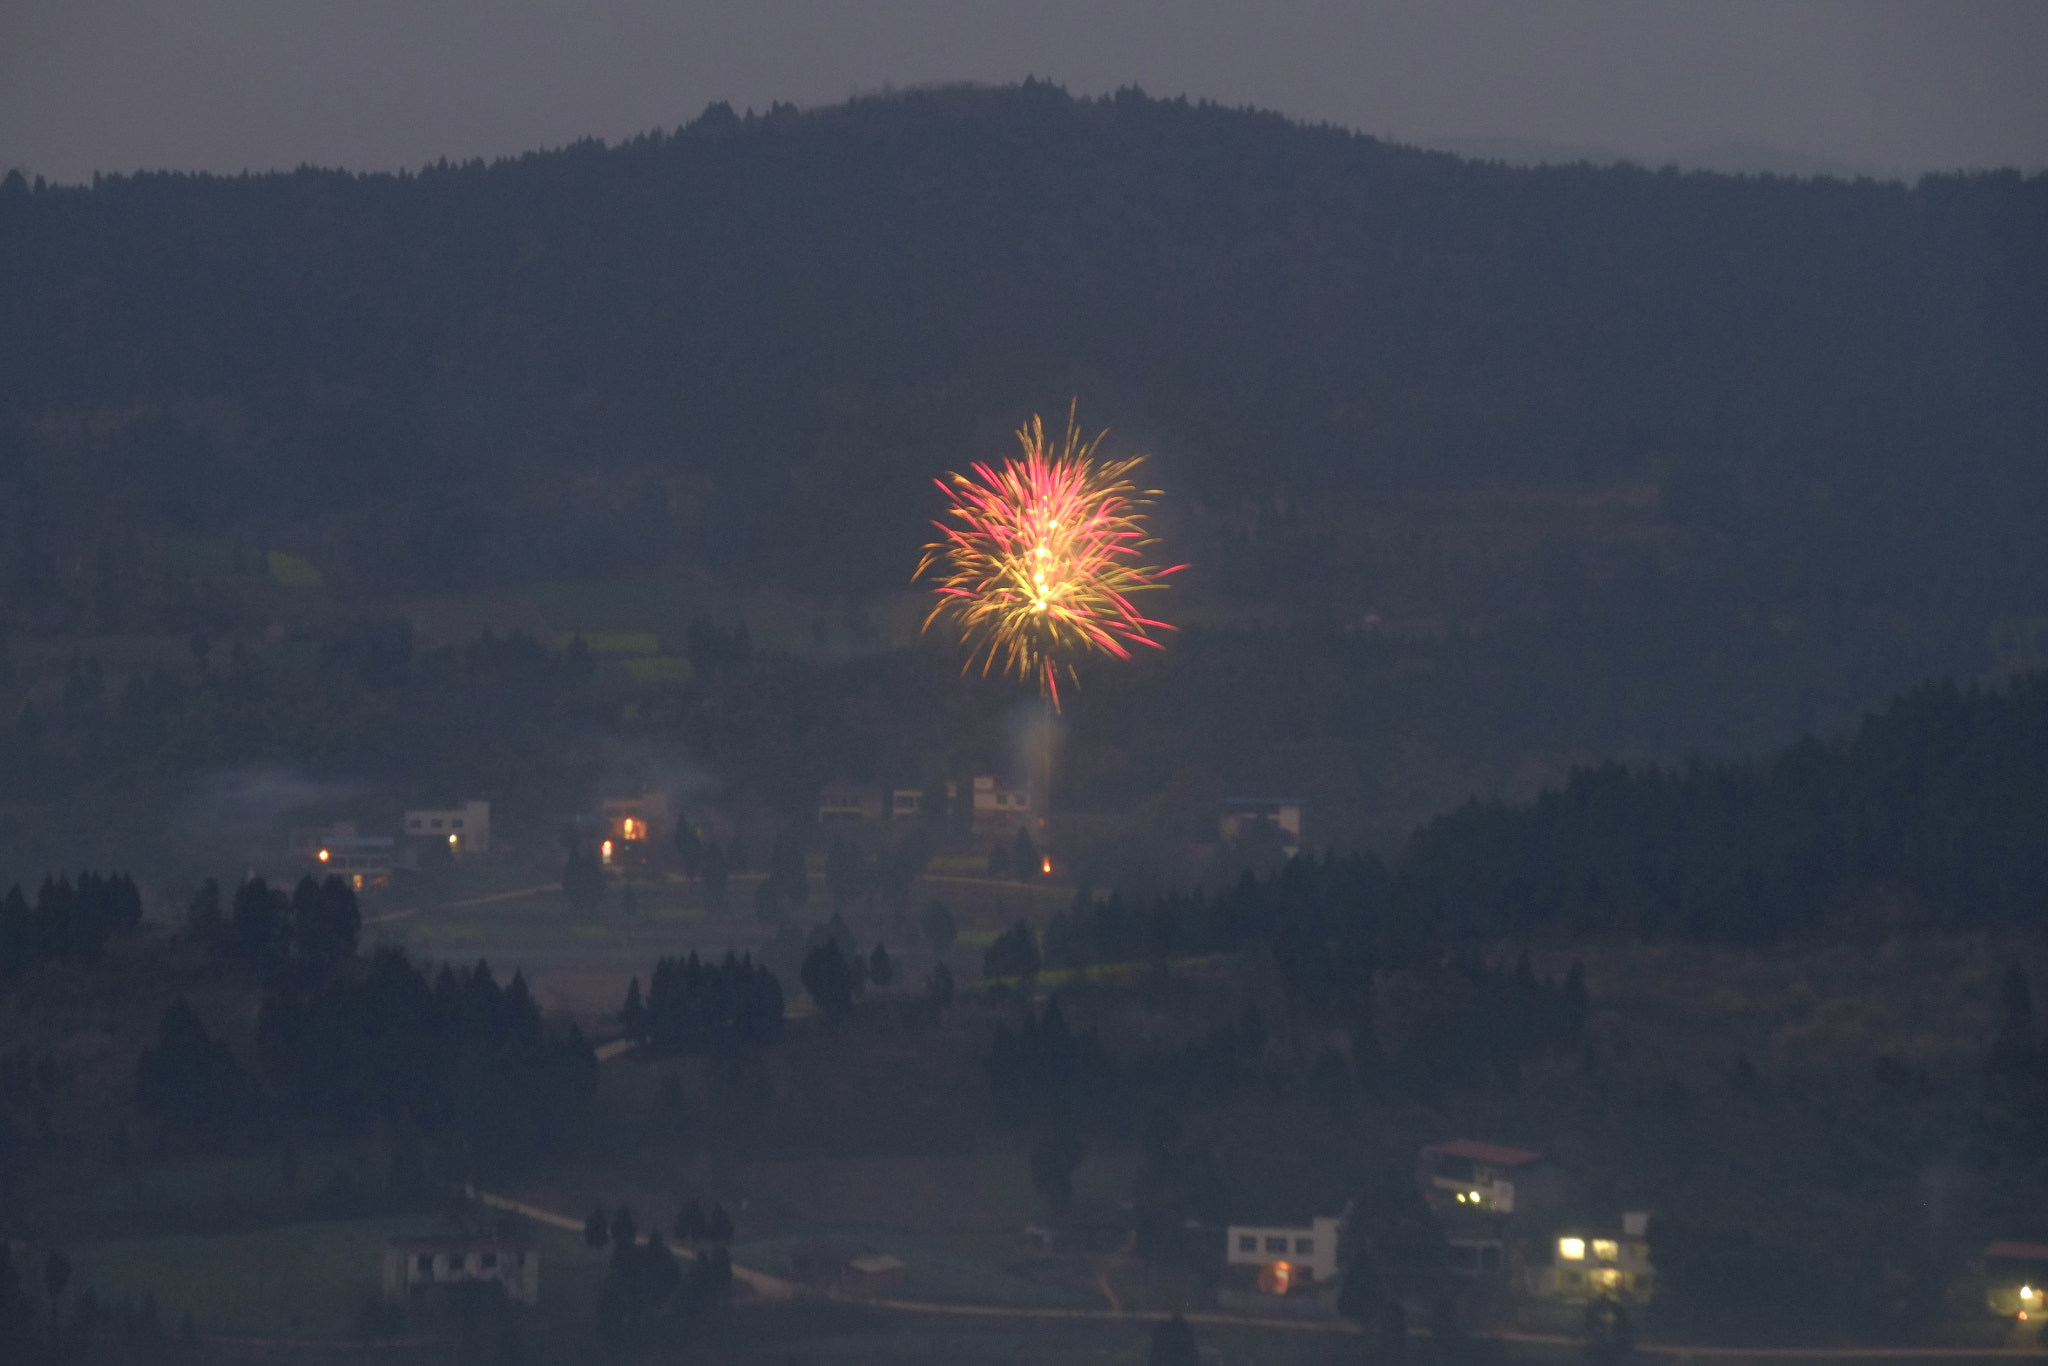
68,922
650,1296
311,930
1932,815
698,1007
452,1059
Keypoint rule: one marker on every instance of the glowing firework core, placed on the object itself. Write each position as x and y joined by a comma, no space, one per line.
1043,557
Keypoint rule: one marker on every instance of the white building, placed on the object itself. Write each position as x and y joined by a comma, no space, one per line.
1308,1252
1597,1264
849,804
1283,813
466,829
364,860
999,803
414,1267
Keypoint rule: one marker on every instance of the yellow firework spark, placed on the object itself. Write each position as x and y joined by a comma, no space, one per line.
1039,560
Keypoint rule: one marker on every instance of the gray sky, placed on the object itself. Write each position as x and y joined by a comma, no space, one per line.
228,85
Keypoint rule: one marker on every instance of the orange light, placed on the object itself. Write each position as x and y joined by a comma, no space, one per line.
323,856
605,850
628,826
1045,865
1275,1277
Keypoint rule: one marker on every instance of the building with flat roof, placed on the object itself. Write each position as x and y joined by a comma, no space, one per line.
1286,1256
849,804
362,860
415,1268
1282,813
1587,1264
999,804
465,829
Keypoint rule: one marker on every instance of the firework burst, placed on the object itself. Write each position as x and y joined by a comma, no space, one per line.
1040,560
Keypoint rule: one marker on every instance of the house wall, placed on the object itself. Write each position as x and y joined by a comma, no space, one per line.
470,822
1320,1235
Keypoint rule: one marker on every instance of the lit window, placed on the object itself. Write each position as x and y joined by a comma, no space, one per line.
1604,1250
1572,1249
1247,1243
1305,1247
1276,1245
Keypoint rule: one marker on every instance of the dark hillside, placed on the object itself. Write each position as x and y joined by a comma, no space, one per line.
745,345
1483,472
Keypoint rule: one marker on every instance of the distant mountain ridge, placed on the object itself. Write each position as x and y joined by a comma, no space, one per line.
742,350
1720,159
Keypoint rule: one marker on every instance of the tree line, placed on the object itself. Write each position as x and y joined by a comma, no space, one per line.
460,1070
69,922
700,1007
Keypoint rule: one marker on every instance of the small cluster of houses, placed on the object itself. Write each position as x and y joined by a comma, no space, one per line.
1510,1254
1512,1258
367,860
624,831
998,806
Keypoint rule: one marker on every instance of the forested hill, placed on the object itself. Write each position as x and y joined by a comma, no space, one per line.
745,347
1932,815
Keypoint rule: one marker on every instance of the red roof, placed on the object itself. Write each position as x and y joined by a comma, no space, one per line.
2019,1252
1492,1154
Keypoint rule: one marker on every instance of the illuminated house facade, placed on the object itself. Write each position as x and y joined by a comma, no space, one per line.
415,1268
632,827
465,829
362,860
1594,1265
2016,1281
1285,1256
1468,1177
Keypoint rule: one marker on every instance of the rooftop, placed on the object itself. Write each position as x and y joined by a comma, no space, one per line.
2018,1252
1492,1154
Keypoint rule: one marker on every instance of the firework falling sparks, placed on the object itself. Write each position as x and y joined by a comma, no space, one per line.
1040,560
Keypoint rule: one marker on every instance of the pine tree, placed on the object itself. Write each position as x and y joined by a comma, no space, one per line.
689,848
1173,1344
633,1014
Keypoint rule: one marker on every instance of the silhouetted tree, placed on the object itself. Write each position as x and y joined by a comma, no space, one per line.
829,980
1054,1159
1173,1344
939,927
